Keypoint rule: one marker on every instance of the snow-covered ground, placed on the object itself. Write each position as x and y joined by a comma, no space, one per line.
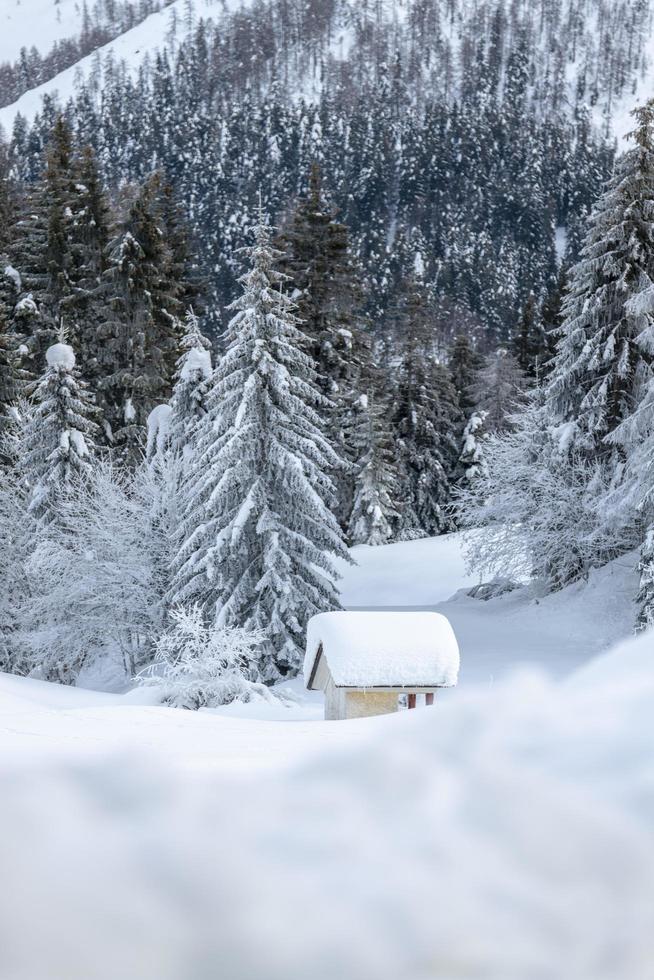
505,834
39,24
151,34
558,633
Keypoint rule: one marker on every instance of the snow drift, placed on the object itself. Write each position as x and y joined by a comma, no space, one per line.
507,834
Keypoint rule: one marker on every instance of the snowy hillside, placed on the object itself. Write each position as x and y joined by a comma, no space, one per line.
156,32
586,38
38,23
557,632
524,812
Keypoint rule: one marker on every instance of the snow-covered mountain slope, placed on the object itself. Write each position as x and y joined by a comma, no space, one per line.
37,23
603,49
163,29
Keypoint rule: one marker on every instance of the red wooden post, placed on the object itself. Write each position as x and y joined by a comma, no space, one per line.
429,698
411,700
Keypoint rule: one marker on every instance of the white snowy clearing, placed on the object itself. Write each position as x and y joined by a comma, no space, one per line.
506,833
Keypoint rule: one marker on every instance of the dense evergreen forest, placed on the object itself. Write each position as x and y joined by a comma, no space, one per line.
256,309
453,132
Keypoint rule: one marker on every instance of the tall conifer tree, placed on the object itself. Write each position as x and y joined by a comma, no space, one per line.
375,513
323,283
141,335
59,438
604,354
259,538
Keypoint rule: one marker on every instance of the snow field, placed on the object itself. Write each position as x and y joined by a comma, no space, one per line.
505,835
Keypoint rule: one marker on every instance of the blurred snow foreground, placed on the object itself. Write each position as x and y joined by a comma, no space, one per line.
507,834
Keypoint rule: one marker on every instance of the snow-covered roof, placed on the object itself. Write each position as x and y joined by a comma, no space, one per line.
383,649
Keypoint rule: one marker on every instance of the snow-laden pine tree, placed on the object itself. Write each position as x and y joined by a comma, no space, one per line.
604,352
259,537
140,335
471,459
189,399
375,513
498,389
426,421
645,597
59,438
324,285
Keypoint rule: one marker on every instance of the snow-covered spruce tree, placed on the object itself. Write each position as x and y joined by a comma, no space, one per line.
531,344
259,538
471,460
89,246
604,352
498,389
140,335
426,420
464,364
46,250
645,597
375,515
189,399
314,255
60,435
324,285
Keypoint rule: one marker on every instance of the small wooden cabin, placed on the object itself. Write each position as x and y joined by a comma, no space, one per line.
363,661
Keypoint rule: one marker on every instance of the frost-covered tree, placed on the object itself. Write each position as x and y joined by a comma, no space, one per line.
536,501
98,578
472,450
375,513
189,399
606,344
645,597
498,389
18,541
12,377
197,665
60,436
259,538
